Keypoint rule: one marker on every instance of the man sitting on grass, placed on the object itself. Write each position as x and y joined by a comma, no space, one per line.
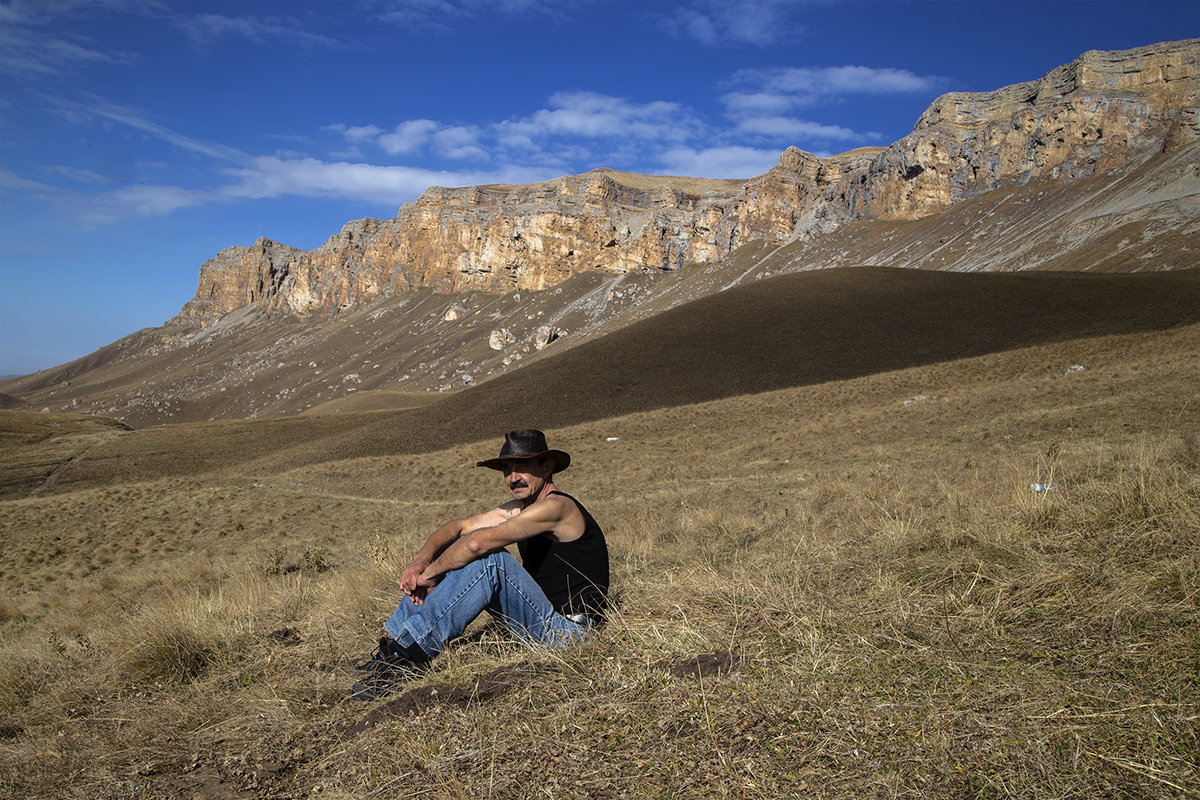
552,598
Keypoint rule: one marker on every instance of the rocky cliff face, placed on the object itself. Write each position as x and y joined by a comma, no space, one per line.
1094,114
1100,112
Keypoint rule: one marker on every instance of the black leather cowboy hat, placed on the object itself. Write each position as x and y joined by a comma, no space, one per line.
526,445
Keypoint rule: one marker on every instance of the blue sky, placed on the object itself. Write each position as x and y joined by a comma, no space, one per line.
140,137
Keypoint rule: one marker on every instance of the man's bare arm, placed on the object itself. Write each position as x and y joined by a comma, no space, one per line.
445,536
551,515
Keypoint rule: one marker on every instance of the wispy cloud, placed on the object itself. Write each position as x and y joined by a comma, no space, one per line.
719,162
457,142
79,175
30,45
37,12
590,114
738,22
204,30
796,129
270,177
407,137
798,86
34,42
442,15
10,180
242,176
763,102
136,201
570,129
133,119
565,125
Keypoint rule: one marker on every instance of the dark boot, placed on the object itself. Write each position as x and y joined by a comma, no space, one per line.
389,667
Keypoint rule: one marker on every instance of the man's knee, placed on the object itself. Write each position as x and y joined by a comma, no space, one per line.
501,559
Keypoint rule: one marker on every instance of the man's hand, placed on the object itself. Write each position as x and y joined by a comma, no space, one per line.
422,589
410,581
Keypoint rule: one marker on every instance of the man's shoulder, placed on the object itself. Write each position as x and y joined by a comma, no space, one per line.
489,518
508,510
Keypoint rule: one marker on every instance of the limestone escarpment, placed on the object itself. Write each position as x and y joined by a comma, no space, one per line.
1100,112
1094,114
241,276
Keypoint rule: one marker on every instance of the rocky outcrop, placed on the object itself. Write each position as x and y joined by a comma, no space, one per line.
241,276
1093,114
1097,113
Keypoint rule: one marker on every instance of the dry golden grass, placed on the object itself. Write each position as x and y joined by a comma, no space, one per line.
841,591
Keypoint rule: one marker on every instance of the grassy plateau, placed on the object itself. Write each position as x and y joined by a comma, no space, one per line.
965,577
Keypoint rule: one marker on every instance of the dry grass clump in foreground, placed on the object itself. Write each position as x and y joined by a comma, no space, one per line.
861,598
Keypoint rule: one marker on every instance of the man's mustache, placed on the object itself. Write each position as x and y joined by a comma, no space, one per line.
518,484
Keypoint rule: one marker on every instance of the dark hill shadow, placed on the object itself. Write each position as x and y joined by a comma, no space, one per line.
792,330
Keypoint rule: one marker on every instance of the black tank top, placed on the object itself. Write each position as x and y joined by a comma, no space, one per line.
574,575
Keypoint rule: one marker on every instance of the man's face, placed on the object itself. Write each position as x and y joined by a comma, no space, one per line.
525,478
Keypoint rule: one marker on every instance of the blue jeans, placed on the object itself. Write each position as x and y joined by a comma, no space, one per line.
496,583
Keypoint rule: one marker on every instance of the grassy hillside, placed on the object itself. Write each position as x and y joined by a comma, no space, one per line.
840,588
792,330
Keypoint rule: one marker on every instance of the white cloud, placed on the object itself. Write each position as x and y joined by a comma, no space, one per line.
760,99
592,115
790,128
357,133
572,131
827,81
719,162
550,135
460,142
408,137
695,25
757,102
793,87
271,177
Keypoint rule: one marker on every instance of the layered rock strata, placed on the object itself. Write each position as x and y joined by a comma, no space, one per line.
1100,112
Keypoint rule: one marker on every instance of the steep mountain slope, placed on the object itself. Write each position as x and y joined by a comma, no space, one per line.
793,330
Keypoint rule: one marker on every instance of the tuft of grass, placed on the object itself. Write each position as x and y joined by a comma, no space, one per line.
179,639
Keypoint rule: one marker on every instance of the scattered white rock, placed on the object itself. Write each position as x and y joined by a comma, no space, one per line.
501,338
545,335
1075,368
